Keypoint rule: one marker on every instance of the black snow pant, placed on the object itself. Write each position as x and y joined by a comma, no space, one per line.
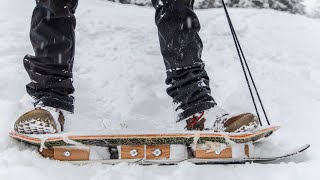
53,40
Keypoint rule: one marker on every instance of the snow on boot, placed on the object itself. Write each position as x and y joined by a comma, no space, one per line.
218,120
44,120
226,123
240,123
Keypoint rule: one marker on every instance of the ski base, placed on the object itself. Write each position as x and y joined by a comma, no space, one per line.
261,160
161,149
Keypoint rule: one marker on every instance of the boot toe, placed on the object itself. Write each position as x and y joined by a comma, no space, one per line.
37,121
241,123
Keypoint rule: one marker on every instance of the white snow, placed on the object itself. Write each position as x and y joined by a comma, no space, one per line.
99,153
238,151
119,78
312,8
178,151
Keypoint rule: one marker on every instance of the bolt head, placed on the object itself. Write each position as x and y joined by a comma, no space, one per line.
218,152
67,153
134,152
157,152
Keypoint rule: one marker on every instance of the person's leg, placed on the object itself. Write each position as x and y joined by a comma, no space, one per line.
181,47
53,40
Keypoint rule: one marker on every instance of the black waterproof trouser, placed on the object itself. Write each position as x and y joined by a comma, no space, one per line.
52,36
53,40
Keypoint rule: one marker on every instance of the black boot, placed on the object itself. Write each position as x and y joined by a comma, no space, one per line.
52,37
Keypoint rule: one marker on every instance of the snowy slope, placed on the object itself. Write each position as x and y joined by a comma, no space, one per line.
119,80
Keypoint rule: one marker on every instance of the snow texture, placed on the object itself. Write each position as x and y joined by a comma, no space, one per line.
99,153
292,6
312,8
119,78
178,151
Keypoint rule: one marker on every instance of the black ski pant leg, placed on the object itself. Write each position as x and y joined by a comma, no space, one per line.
53,40
181,47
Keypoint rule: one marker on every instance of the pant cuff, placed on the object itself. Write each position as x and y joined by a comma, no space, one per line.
56,103
197,108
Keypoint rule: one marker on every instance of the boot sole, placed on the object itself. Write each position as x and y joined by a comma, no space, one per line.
36,122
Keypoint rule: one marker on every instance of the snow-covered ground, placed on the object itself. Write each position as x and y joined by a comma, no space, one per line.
119,80
312,8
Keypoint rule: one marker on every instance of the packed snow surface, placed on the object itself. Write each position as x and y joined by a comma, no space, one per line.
119,78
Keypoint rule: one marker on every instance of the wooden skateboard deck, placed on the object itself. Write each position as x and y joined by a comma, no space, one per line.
148,147
144,139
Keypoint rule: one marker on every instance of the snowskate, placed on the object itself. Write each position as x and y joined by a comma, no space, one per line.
198,147
229,142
